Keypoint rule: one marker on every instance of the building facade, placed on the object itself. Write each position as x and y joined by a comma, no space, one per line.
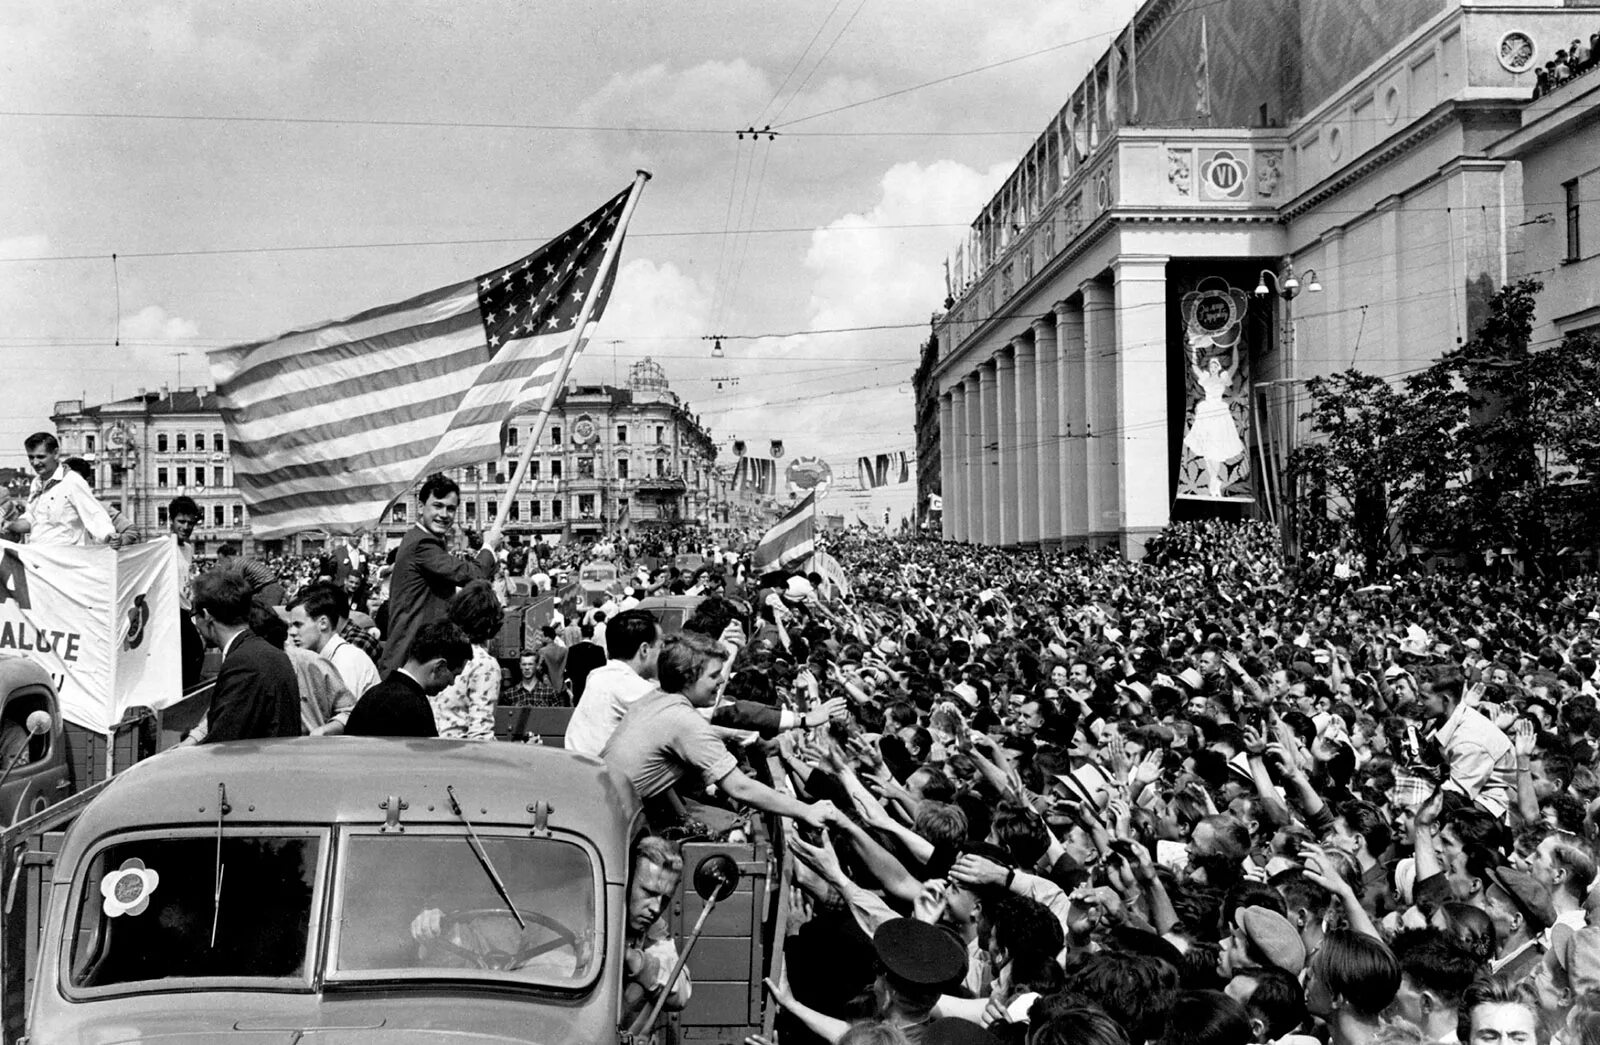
152,447
611,460
1237,198
930,484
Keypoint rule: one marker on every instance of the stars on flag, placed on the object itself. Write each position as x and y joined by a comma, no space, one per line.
512,308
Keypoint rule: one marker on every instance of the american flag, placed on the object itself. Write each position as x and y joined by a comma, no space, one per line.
330,424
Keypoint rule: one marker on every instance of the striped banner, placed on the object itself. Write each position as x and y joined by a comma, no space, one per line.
330,425
791,541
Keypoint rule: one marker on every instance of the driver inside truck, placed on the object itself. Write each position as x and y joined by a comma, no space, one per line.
484,939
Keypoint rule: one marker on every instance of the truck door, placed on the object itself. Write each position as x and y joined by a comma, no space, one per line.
33,761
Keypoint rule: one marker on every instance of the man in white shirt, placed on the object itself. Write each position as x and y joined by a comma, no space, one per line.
62,510
315,619
633,642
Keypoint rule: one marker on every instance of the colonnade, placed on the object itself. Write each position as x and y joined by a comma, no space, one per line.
1057,436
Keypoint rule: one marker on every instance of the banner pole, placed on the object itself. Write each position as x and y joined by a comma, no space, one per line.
606,265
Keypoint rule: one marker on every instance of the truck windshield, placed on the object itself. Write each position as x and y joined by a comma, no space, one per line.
421,905
148,908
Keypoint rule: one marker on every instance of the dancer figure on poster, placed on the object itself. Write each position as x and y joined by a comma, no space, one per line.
1213,436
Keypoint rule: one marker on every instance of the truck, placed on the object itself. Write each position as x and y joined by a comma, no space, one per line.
360,889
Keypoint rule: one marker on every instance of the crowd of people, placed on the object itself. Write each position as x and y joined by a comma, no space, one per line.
1570,62
1048,797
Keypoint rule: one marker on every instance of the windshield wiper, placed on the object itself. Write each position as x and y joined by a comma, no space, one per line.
216,890
483,857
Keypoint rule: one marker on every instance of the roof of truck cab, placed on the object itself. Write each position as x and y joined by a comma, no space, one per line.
347,780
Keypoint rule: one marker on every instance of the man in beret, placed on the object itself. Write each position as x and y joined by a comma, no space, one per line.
1261,939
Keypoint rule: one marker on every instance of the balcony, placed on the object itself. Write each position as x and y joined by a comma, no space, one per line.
660,484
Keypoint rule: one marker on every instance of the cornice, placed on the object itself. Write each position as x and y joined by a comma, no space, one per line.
1331,186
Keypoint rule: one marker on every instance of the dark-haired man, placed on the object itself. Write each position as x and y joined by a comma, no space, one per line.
256,694
398,706
425,574
1434,973
317,617
62,510
633,643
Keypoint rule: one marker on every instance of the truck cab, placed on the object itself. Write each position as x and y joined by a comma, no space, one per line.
349,890
34,770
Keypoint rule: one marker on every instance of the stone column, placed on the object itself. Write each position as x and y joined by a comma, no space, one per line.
1047,433
1099,410
955,466
1027,413
946,462
988,394
972,474
1073,479
1007,432
1144,495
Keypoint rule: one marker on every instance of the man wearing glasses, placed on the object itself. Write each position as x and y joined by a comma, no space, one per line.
61,510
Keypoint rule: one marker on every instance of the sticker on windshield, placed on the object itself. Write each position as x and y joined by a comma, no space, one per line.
127,889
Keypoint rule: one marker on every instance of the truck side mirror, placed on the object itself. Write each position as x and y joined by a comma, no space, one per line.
716,877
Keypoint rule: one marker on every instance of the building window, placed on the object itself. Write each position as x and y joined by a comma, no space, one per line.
622,433
183,473
622,468
183,443
490,510
661,467
555,435
199,442
216,476
238,515
622,507
219,518
399,512
511,436
161,515
535,509
161,443
585,468
514,513
555,469
161,479
586,504
472,511
216,442
1574,243
555,508
660,434
533,470
88,442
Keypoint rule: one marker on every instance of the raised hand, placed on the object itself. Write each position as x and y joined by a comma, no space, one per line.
1147,770
932,902
1524,740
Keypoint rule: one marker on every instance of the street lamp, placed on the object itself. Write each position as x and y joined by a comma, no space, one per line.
1288,287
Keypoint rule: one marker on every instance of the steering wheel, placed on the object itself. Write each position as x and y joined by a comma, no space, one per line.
503,960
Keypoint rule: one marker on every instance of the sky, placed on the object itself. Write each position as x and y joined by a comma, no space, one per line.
258,167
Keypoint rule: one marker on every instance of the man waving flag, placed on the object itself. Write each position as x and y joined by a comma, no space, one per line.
330,424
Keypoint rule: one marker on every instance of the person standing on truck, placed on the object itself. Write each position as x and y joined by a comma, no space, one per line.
317,619
425,574
664,738
183,515
256,694
633,643
62,510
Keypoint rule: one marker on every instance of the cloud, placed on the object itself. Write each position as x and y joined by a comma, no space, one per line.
870,278
154,323
30,246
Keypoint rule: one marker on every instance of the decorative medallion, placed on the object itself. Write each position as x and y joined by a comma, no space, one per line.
1102,191
127,889
584,431
808,473
1335,144
1223,175
1391,105
1517,51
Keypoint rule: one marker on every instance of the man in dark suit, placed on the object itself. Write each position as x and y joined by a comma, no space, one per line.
425,574
256,693
398,706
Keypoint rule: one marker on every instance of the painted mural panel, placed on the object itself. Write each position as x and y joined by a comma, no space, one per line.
1215,464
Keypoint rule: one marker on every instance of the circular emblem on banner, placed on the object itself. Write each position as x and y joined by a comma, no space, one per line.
1224,174
808,473
1212,312
583,431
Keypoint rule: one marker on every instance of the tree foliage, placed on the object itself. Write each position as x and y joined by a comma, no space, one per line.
1497,444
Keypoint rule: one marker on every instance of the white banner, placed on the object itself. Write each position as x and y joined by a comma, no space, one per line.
102,622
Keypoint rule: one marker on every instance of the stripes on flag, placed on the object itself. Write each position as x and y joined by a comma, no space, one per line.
791,541
329,425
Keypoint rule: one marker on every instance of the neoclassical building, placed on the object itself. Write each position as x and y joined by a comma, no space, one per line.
1239,196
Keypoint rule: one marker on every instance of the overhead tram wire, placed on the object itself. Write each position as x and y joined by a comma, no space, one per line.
831,45
797,62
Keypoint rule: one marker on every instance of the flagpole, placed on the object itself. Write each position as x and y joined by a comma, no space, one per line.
607,263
